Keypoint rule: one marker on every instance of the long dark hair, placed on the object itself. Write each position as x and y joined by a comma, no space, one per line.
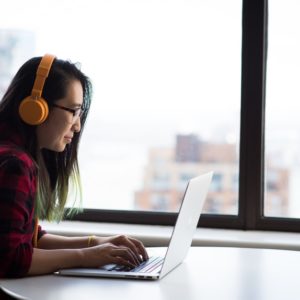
56,170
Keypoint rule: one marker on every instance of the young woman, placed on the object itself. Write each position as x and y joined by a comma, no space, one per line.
42,115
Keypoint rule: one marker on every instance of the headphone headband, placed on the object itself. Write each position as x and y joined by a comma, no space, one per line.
41,75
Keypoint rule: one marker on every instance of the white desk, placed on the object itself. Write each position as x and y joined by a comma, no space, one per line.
207,273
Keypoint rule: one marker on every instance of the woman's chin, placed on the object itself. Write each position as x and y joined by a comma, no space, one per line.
56,148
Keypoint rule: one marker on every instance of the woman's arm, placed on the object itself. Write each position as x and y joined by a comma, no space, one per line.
51,241
48,261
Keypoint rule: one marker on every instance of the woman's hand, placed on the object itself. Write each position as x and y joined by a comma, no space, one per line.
123,241
110,253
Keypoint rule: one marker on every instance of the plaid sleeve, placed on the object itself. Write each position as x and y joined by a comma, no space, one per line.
17,194
41,232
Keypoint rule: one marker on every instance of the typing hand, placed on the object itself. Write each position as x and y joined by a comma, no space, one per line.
134,245
109,253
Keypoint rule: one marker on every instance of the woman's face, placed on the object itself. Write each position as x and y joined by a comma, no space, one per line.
58,129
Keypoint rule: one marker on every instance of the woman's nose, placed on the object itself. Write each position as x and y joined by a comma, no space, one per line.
77,125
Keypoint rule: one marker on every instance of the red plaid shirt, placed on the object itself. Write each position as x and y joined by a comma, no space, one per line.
18,184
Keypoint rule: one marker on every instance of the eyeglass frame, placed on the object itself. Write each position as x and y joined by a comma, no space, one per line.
71,110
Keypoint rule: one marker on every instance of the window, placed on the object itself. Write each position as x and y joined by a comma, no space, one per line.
180,89
216,184
282,162
160,202
155,106
156,113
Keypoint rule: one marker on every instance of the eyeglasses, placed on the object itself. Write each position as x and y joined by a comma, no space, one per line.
77,113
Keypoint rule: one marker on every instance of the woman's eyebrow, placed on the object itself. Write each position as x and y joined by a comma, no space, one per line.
77,105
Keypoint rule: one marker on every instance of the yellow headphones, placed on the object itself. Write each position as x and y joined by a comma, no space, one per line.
34,110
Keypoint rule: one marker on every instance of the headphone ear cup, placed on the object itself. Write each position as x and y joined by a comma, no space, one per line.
33,111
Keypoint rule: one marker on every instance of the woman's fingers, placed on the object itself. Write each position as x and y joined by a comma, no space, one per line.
134,249
120,261
135,245
141,249
126,254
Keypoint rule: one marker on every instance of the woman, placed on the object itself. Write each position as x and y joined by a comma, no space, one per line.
42,115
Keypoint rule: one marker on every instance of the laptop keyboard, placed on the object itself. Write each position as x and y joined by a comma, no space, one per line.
152,264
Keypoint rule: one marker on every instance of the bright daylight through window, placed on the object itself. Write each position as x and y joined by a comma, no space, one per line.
166,104
282,163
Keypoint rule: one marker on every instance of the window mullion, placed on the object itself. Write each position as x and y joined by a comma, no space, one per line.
252,112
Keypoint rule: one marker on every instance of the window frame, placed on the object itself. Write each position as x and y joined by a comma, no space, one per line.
251,168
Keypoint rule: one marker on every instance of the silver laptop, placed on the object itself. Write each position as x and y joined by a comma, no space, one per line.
158,266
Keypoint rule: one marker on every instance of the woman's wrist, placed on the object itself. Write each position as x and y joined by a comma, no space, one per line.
80,253
91,241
